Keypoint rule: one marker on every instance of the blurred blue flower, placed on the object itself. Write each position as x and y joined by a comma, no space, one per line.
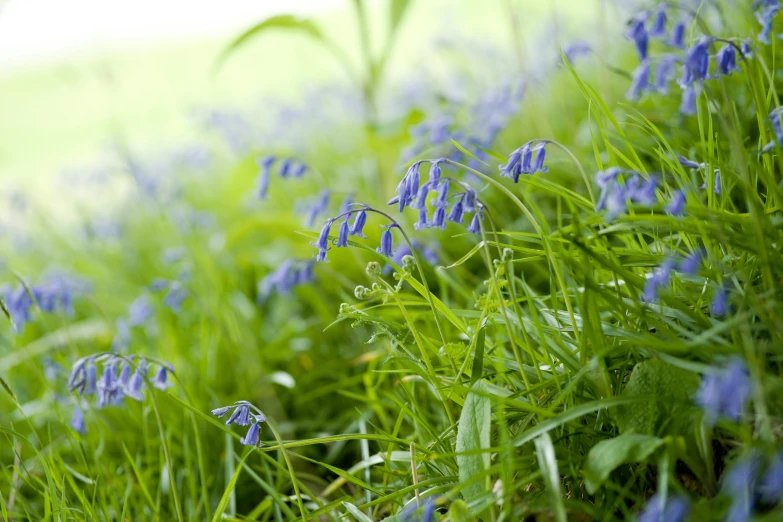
685,162
766,10
475,223
688,102
439,218
423,222
674,510
660,278
135,386
725,391
658,29
173,255
161,380
739,483
726,59
696,66
665,72
719,305
251,439
677,38
771,487
77,420
139,311
290,274
640,82
676,206
107,385
315,207
176,297
520,161
777,125
442,198
240,416
690,265
638,33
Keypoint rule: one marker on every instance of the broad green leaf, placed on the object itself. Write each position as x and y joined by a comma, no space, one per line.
668,391
605,456
353,510
473,435
547,463
459,512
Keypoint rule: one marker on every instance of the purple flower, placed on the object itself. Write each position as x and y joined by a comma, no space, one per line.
664,73
777,125
638,34
771,487
222,411
676,206
423,222
251,439
674,510
140,310
520,161
678,35
719,305
357,229
441,200
135,387
727,60
697,62
740,483
161,381
766,16
658,29
685,162
342,238
323,238
264,163
457,211
386,248
435,173
77,420
724,392
240,416
175,297
475,224
439,218
690,265
107,385
659,279
688,102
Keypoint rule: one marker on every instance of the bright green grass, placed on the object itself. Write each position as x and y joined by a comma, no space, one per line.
541,318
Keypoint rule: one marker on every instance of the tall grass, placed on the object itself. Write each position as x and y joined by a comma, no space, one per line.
527,374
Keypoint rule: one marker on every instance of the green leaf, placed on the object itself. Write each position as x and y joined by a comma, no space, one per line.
478,358
605,456
353,510
547,462
459,512
285,21
668,390
473,435
397,8
227,493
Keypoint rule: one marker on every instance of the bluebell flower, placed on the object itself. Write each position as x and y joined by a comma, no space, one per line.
771,487
159,284
439,218
777,125
91,379
685,162
575,49
457,211
612,197
77,420
386,248
740,483
420,201
175,297
251,439
638,33
357,229
678,35
658,29
299,170
520,161
726,59
660,278
508,170
123,381
690,265
321,256
475,224
423,222
322,243
747,50
240,416
435,173
676,206
135,387
765,14
289,274
719,306
122,338
724,392
674,510
107,385
161,381
538,166
19,305
140,310
316,208
641,190
285,168
342,238
665,72
441,201
264,163
688,102
696,66
173,255
222,411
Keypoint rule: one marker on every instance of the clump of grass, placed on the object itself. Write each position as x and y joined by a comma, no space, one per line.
523,342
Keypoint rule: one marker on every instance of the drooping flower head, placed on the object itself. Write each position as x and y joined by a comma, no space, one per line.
766,11
387,242
674,509
264,163
725,391
637,32
244,414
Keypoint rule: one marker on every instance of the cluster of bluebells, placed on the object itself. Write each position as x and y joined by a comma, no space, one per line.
350,229
53,294
615,194
412,193
521,160
766,11
754,484
695,62
286,168
290,274
243,416
111,379
314,207
685,162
